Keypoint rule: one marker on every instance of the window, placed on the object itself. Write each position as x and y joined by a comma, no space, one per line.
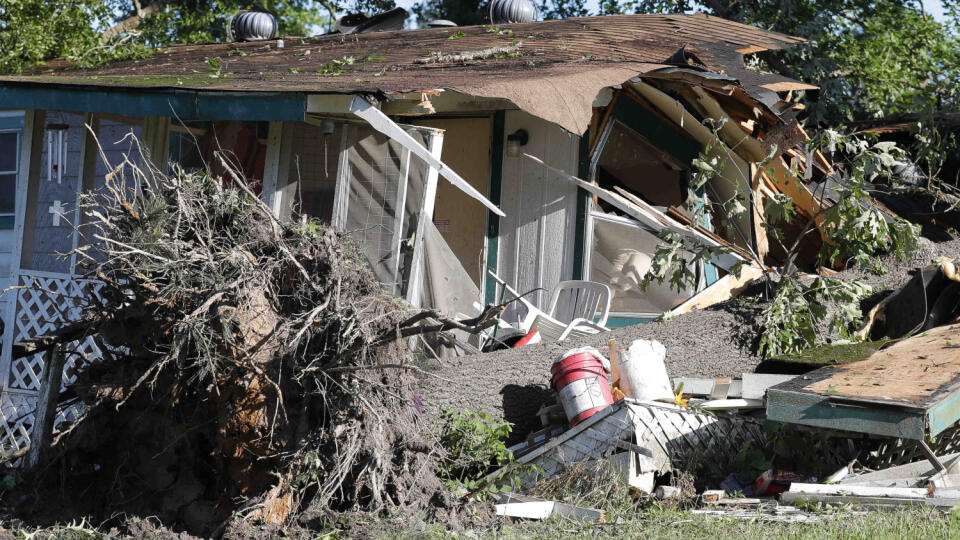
621,254
9,156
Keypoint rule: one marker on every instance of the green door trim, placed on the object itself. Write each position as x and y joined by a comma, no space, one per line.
493,220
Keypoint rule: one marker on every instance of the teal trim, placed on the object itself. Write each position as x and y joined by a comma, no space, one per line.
710,272
6,222
579,238
820,411
185,104
620,322
656,130
944,414
11,122
493,220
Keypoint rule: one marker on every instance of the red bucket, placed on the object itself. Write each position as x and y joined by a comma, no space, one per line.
580,379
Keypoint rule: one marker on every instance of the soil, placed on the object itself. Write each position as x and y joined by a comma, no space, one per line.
714,342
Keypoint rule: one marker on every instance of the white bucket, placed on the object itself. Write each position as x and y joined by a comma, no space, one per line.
643,374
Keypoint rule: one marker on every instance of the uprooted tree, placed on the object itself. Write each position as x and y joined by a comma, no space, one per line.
254,368
803,308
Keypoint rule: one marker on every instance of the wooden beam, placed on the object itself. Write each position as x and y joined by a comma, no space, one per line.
721,290
46,411
759,231
736,138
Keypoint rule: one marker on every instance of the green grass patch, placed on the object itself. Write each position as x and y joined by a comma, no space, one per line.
656,522
826,355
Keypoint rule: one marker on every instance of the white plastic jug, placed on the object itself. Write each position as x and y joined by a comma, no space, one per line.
643,374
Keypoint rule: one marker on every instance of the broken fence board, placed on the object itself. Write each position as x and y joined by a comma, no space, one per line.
873,491
525,506
902,475
790,497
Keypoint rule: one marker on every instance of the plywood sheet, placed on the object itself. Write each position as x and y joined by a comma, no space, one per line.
918,371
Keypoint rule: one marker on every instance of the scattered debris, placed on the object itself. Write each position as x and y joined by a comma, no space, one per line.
871,495
471,56
525,506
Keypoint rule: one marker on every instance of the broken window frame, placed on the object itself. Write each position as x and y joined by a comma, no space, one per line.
588,259
279,188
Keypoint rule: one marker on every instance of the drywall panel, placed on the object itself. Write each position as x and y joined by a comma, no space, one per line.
460,219
537,235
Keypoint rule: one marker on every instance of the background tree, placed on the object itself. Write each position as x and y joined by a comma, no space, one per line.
33,31
462,12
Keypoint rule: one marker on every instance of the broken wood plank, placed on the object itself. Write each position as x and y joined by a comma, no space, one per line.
699,386
730,404
721,290
527,507
874,491
46,411
755,384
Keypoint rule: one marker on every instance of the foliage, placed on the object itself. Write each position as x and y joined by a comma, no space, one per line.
855,229
791,322
868,58
34,31
474,441
462,12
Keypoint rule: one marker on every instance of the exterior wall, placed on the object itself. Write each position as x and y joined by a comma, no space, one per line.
9,120
50,237
536,240
52,294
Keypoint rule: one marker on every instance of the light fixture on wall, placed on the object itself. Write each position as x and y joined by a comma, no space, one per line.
327,126
56,151
515,140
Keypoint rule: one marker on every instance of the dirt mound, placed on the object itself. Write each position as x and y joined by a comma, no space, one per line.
716,342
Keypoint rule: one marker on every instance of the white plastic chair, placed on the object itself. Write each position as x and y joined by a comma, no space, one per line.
573,305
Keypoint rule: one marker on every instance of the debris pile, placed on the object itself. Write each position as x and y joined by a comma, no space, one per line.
256,369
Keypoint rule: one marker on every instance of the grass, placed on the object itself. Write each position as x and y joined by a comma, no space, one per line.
671,523
820,356
835,354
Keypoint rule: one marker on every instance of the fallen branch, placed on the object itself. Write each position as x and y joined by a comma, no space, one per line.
469,56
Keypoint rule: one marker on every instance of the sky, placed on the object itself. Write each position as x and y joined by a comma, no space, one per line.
933,7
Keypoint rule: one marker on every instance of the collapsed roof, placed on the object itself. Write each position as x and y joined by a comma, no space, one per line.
551,69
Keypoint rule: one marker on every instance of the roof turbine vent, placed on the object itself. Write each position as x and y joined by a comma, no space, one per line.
512,11
251,26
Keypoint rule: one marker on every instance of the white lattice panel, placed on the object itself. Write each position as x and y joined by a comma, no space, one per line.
44,304
16,414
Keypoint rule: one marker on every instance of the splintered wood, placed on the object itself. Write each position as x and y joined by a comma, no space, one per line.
915,371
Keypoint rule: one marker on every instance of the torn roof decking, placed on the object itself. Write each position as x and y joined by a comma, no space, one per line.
560,67
910,390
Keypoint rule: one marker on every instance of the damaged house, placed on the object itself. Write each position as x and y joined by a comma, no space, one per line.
530,153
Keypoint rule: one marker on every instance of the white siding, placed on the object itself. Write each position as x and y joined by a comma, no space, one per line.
536,242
